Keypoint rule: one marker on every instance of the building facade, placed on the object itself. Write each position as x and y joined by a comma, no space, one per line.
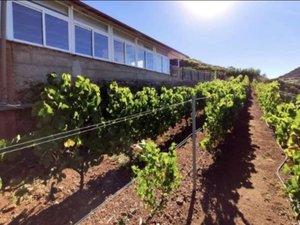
70,36
44,36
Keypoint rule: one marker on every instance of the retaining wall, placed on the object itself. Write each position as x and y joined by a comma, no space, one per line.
28,65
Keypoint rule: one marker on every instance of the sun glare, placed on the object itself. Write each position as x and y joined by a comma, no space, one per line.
208,9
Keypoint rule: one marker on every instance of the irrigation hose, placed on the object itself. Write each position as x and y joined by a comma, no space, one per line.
280,167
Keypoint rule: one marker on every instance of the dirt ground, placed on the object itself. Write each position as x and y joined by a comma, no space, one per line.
239,187
69,204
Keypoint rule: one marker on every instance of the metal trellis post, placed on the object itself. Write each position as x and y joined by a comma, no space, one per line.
194,139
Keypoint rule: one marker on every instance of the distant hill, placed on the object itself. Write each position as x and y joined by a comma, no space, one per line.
291,77
290,82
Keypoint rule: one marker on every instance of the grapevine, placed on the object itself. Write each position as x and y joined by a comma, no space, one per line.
284,118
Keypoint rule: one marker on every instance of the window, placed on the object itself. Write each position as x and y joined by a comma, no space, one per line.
141,58
158,63
53,6
83,41
119,51
83,18
149,60
56,32
166,65
27,24
130,55
47,23
100,46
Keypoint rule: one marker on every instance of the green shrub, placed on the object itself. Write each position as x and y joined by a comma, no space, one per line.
159,177
68,105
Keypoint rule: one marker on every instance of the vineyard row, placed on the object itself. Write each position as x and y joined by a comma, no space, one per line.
284,117
83,111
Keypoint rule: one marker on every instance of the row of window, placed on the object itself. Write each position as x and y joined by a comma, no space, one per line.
34,26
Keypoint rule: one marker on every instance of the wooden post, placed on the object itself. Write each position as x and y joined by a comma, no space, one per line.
194,140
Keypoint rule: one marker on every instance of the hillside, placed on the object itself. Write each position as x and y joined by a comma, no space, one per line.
225,71
292,77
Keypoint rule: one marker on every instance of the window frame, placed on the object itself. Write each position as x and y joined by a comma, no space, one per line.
103,34
135,49
169,69
93,30
144,62
115,38
43,11
72,22
44,31
161,62
32,7
153,53
125,42
86,27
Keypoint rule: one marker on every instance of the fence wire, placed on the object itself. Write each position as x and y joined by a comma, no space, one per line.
81,130
102,204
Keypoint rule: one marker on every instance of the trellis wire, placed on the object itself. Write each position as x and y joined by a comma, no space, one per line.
77,131
101,205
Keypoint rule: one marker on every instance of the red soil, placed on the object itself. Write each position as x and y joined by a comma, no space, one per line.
238,187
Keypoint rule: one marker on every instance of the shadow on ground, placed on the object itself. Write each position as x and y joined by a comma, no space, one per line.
231,171
184,129
77,205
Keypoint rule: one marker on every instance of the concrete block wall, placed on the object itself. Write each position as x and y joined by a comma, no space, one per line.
28,65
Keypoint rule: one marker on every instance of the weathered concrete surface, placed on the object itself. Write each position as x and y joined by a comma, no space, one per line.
28,65
15,121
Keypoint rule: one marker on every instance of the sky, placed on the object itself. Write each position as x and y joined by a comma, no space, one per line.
263,35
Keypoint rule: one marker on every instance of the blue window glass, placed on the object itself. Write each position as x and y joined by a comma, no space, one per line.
149,61
166,65
100,46
158,63
130,55
141,58
27,24
57,32
119,51
83,41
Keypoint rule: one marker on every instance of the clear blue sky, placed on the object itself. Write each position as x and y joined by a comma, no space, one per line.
264,35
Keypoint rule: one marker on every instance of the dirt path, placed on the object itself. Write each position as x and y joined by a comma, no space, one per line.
241,186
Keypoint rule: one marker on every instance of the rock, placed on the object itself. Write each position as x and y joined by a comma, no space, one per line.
60,188
8,208
56,203
140,221
54,190
132,211
179,200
